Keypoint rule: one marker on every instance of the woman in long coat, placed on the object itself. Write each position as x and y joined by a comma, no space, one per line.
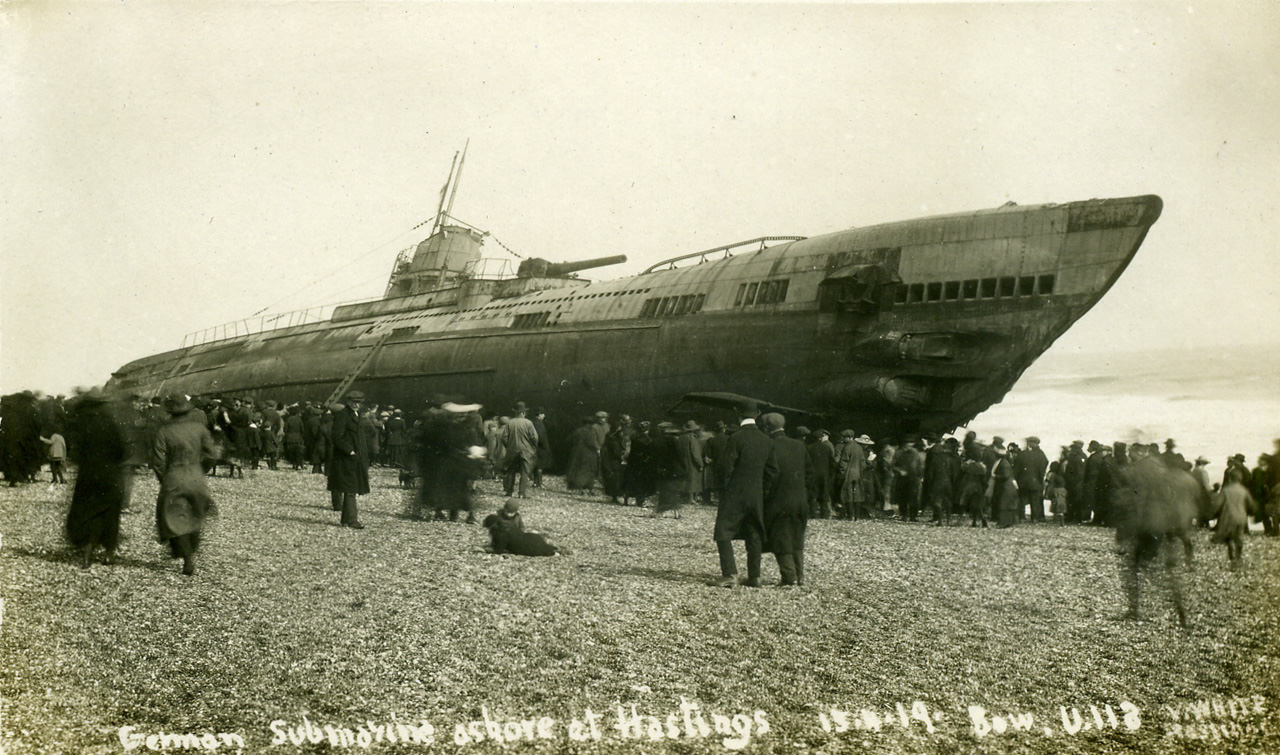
100,448
584,458
1004,494
184,501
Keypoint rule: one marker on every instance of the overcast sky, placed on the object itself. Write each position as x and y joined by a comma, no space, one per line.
170,167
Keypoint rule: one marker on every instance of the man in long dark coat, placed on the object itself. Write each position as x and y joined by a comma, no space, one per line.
177,453
348,460
1028,471
822,457
786,500
740,515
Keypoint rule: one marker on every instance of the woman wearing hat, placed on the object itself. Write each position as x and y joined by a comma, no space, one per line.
176,454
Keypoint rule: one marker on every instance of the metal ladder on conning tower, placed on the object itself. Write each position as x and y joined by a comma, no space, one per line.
359,368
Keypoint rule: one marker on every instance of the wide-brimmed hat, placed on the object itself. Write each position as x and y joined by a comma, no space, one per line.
864,439
691,426
449,406
354,396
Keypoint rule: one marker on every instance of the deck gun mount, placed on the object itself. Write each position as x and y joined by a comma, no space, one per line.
536,267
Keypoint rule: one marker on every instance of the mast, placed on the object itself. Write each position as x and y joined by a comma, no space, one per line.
444,190
457,179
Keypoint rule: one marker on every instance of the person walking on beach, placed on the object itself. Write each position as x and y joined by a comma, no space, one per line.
348,470
101,451
179,447
786,501
740,515
1235,506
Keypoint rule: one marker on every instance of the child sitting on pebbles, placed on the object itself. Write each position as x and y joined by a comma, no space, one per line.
507,534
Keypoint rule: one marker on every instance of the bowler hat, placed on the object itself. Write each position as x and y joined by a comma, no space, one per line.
1033,439
772,421
1201,460
177,403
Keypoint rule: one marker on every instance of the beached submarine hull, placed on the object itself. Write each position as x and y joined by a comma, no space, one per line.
904,327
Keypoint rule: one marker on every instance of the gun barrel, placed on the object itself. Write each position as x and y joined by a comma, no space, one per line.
564,268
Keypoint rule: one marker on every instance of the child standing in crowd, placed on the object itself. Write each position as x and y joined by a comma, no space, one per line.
1055,489
57,455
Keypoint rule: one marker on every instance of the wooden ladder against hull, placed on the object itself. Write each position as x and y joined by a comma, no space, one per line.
358,369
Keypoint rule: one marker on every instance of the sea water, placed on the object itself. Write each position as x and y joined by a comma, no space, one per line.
1212,402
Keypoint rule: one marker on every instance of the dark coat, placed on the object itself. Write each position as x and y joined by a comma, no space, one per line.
348,468
786,502
742,508
1029,470
176,455
505,539
100,447
689,458
584,458
941,474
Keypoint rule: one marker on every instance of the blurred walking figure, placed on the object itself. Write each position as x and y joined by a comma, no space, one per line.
101,451
57,455
348,460
179,447
1153,520
786,501
584,457
1235,504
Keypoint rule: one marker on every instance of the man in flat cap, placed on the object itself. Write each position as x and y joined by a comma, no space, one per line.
740,515
348,469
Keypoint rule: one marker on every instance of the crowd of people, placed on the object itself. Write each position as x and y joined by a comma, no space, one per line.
765,479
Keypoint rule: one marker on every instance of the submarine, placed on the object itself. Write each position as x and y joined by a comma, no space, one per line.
904,327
